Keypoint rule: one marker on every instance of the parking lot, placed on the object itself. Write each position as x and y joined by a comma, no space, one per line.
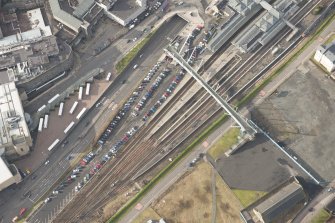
57,125
298,114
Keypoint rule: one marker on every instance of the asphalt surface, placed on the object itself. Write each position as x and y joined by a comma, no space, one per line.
245,169
117,94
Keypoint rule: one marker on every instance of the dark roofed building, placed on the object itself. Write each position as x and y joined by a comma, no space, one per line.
280,202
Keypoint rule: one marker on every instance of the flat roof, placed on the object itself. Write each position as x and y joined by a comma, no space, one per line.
5,173
12,120
64,17
37,22
123,9
82,8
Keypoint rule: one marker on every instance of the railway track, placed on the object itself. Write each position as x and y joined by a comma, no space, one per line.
135,154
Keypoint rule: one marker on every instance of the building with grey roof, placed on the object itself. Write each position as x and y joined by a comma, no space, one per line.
83,7
123,11
243,10
66,18
325,56
280,202
25,50
267,26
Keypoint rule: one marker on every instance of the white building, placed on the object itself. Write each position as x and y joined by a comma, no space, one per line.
9,174
15,137
325,55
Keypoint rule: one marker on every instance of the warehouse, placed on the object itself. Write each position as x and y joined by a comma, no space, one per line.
280,203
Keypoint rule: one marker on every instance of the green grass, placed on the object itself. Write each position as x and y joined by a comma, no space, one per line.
248,197
224,143
321,217
126,60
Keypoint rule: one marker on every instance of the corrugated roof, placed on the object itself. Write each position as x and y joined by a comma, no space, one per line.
281,201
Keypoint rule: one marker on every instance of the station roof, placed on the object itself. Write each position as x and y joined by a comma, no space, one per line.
5,173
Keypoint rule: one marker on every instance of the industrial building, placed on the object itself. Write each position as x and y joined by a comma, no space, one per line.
268,26
26,44
239,13
325,56
280,202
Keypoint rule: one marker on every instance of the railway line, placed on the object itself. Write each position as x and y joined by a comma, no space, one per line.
138,152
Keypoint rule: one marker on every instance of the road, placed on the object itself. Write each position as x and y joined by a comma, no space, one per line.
314,206
117,94
12,200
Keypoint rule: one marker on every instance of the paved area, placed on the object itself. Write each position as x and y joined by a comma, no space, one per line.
298,114
258,166
116,93
57,125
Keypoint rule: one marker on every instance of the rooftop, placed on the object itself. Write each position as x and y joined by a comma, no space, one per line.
82,8
5,173
23,28
64,17
124,8
281,201
12,121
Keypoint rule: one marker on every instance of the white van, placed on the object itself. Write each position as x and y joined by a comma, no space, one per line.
135,66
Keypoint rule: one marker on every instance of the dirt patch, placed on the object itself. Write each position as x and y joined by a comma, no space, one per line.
190,199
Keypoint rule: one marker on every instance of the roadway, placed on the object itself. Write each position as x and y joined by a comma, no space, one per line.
117,94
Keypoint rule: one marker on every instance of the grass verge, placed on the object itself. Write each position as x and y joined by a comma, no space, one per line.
224,143
248,197
161,174
125,61
321,217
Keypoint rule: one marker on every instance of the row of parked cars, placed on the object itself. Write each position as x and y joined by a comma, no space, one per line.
166,94
118,145
153,87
